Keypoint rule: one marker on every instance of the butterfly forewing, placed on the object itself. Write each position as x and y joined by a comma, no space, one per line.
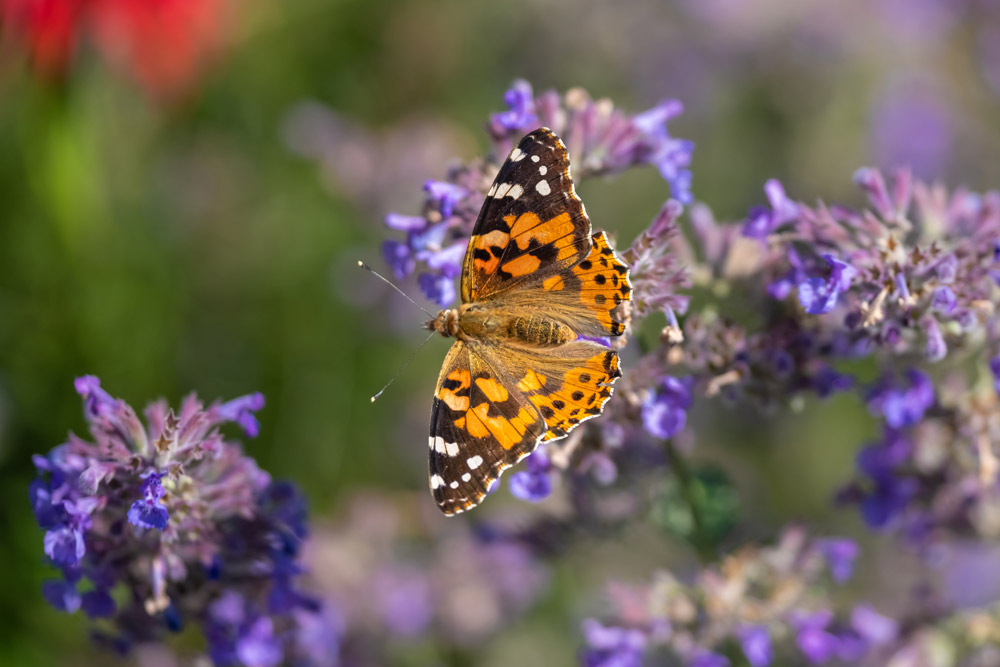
531,226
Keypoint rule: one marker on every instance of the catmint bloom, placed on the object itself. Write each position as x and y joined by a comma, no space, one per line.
872,626
817,644
762,221
175,514
756,644
664,413
534,482
438,288
995,369
819,295
521,100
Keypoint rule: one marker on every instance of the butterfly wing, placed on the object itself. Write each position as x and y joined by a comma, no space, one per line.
480,426
489,415
531,226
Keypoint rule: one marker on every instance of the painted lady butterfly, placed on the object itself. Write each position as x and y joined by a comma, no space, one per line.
537,287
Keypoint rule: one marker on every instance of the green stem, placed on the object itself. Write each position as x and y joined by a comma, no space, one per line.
700,542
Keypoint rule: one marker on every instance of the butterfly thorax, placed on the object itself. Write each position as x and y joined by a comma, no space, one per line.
476,321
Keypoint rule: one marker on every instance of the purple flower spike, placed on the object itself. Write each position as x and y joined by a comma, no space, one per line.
819,295
439,289
756,644
149,512
405,223
521,116
840,554
664,413
240,410
816,644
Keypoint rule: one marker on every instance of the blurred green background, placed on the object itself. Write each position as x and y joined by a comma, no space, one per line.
207,241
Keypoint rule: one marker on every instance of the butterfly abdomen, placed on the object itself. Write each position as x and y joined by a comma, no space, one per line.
539,331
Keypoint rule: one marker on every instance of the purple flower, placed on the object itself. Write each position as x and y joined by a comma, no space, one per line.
609,646
405,223
756,644
708,659
936,348
405,600
521,116
944,299
816,643
62,595
236,535
445,195
399,257
671,156
241,410
872,626
761,221
840,554
258,646
438,288
902,403
664,412
819,295
535,482
149,512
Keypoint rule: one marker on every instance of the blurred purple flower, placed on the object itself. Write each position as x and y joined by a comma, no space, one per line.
816,643
756,644
708,659
872,626
399,257
664,412
609,646
762,221
438,288
912,125
995,369
534,483
840,554
819,295
521,115
902,402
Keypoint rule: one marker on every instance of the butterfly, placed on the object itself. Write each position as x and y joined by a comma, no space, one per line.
538,287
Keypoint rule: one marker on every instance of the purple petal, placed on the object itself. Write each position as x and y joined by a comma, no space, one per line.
98,604
873,626
61,595
240,410
439,289
405,223
258,646
530,486
96,401
756,644
148,514
65,546
840,554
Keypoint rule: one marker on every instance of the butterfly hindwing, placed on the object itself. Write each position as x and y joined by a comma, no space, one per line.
531,226
480,426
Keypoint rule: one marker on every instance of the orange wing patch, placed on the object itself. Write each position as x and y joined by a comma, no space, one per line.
581,395
507,432
604,283
454,390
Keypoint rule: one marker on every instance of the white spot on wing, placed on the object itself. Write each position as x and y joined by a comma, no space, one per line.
516,155
454,485
475,461
451,448
543,170
493,190
436,481
466,477
501,190
535,158
543,188
516,191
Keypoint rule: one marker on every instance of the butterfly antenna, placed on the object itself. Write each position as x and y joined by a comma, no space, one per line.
403,367
393,286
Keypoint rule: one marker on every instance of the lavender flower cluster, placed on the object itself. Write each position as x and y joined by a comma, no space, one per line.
157,527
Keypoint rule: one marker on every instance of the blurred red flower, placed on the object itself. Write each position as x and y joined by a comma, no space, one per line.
164,45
